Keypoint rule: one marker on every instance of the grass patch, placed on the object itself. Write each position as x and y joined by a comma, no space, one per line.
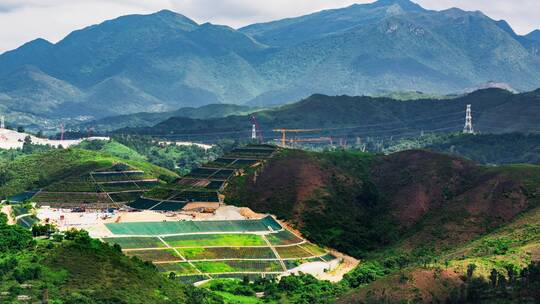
232,240
136,242
227,253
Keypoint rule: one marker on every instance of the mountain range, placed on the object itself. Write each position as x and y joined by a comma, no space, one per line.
165,61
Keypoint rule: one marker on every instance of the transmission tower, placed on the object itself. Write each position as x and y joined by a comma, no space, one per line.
256,129
253,132
468,129
62,132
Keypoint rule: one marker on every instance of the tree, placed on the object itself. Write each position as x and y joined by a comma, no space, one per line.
27,145
511,274
470,271
3,219
14,238
40,230
20,129
172,275
365,273
493,277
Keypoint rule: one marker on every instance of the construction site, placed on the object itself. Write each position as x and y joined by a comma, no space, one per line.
182,227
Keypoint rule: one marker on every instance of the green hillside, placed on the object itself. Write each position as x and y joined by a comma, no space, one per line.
113,148
82,270
38,170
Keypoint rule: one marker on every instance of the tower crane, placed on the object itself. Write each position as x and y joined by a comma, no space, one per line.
285,131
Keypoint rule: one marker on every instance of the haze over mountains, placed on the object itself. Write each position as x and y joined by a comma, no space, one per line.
165,61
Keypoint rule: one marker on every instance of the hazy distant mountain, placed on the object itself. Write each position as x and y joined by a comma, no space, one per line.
146,119
534,35
164,61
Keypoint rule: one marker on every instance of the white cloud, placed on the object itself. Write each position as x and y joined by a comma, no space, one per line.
25,20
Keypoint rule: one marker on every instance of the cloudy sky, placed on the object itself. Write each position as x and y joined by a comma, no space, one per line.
25,20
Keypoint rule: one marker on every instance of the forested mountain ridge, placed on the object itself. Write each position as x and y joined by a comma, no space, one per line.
165,61
494,111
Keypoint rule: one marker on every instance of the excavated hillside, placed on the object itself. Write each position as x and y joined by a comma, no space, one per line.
361,203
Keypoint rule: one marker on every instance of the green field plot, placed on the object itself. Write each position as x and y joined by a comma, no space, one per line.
155,255
284,237
125,197
199,240
227,253
314,249
180,268
292,252
238,266
136,242
163,228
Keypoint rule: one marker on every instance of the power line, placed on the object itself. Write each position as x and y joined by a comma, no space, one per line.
322,129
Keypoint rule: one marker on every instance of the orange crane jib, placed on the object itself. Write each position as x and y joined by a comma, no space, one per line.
285,131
